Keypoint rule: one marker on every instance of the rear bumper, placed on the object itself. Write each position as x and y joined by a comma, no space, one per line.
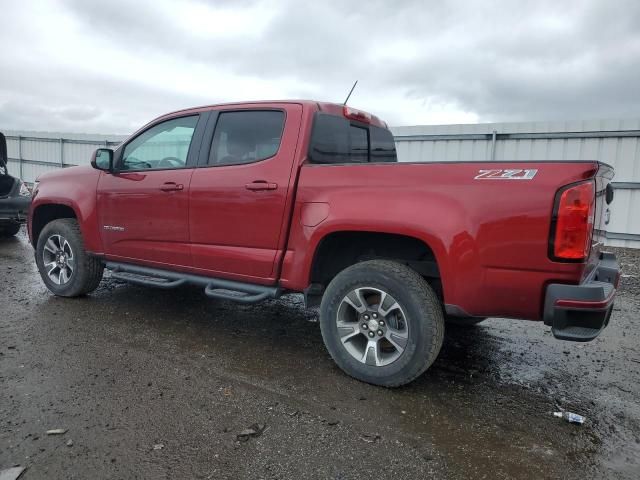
580,312
14,209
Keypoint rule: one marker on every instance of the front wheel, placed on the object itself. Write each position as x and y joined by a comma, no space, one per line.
381,322
64,265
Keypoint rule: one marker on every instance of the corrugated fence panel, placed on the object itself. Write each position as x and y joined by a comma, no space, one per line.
616,142
31,172
40,151
79,154
34,153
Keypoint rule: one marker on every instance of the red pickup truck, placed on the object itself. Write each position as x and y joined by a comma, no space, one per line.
254,200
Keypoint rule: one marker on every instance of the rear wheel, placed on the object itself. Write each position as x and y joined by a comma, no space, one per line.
381,322
64,265
9,229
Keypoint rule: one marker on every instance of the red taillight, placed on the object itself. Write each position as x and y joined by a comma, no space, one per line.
357,115
574,217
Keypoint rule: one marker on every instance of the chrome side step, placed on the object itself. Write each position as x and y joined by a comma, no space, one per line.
213,287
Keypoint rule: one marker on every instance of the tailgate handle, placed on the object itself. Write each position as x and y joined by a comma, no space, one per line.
171,187
261,185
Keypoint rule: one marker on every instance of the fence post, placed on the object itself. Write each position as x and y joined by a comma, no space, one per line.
20,156
493,145
61,152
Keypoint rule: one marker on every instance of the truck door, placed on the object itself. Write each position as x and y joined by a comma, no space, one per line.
240,192
143,207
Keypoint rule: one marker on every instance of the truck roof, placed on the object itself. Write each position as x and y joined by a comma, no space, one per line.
326,107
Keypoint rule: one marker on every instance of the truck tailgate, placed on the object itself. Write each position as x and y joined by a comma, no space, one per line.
604,196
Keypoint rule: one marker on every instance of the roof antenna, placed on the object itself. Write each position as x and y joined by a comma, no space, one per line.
350,92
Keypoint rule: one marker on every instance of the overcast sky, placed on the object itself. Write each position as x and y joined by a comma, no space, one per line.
110,66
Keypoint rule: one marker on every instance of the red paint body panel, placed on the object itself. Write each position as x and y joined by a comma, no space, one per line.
490,237
591,305
73,187
237,231
155,223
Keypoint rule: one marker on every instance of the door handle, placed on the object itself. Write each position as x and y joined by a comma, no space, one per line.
261,185
171,187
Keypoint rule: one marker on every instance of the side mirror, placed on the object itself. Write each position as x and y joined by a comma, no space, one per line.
102,159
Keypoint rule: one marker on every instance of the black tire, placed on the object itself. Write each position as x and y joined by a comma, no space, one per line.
9,229
422,312
88,269
463,321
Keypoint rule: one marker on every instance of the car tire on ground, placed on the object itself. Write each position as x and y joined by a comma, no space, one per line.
64,265
9,230
381,322
463,321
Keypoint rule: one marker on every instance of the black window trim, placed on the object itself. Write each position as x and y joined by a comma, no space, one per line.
192,154
212,123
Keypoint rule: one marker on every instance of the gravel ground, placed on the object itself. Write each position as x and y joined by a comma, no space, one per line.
159,384
629,260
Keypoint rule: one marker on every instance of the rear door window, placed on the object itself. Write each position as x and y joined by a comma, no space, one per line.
246,136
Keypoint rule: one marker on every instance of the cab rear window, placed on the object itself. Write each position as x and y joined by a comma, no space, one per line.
335,139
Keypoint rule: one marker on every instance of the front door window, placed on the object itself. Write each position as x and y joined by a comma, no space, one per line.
164,146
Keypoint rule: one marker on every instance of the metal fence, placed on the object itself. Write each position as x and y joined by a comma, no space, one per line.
33,154
616,142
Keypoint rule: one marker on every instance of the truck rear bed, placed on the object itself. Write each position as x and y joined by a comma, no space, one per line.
488,223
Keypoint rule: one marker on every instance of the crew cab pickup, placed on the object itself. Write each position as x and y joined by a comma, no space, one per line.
254,200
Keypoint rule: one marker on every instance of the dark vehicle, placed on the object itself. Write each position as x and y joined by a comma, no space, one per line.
15,197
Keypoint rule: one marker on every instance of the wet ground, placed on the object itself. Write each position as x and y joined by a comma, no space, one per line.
158,384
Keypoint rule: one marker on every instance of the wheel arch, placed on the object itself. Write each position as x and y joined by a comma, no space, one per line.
338,249
46,213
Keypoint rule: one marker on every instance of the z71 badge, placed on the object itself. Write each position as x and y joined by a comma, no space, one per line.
506,174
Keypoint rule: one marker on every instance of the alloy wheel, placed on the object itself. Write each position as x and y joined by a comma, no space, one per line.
58,259
372,326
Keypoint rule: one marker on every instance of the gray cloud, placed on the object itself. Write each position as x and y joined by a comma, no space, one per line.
493,61
58,99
